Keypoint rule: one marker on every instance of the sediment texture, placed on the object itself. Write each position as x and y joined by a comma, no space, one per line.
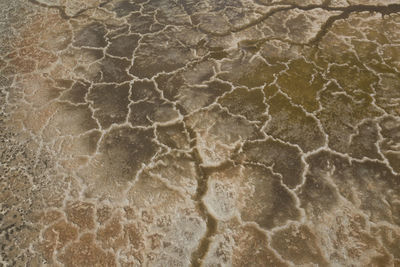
199,133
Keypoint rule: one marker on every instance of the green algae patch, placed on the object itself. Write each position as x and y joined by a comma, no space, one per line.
291,124
301,82
353,78
249,103
249,73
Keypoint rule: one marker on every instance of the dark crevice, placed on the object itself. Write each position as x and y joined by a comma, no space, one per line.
384,10
346,11
62,11
262,18
199,254
249,25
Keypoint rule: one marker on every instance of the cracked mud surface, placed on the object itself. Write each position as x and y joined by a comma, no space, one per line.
200,133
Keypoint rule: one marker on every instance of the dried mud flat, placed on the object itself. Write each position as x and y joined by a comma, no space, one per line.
199,133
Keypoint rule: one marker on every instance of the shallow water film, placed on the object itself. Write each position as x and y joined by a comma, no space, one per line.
200,133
